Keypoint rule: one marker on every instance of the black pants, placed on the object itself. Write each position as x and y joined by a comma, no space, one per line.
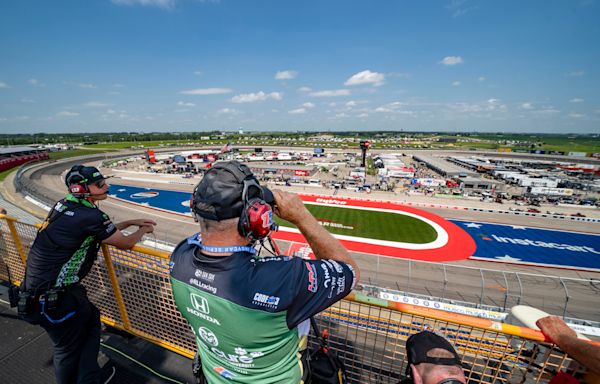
76,340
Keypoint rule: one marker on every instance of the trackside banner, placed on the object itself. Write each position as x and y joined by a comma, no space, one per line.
525,245
483,313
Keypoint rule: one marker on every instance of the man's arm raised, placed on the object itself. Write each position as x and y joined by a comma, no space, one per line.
289,207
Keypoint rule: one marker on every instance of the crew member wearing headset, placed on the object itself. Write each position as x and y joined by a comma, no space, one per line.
251,315
62,254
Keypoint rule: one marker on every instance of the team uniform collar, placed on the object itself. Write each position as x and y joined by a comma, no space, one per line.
77,200
196,240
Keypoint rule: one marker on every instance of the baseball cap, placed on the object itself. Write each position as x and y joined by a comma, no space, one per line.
219,195
80,174
420,344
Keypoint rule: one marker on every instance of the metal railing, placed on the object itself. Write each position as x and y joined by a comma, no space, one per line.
133,291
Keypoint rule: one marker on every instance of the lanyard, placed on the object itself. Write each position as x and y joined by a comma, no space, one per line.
197,241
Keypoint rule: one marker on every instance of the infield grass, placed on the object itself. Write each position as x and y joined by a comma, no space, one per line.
370,224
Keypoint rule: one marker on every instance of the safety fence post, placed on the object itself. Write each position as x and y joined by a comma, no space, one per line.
15,235
116,289
409,274
520,288
567,297
505,292
482,286
445,282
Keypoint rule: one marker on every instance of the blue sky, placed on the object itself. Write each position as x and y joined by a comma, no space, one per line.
190,65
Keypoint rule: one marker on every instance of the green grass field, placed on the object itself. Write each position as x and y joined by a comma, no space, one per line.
370,224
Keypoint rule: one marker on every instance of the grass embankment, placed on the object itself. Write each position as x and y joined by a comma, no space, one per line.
370,224
75,152
4,174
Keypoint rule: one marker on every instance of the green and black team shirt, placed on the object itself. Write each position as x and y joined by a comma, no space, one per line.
250,314
67,244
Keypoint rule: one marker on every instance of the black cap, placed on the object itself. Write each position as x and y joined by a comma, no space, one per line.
80,174
419,345
219,195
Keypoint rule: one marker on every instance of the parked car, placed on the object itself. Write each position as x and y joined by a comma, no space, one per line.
533,210
578,214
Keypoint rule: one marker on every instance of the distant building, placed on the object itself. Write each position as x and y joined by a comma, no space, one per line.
11,157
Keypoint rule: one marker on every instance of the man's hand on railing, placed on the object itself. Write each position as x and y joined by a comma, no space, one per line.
558,332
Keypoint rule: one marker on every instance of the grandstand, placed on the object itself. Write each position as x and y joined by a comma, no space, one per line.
11,157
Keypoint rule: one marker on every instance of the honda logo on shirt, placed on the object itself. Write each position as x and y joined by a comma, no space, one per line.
199,303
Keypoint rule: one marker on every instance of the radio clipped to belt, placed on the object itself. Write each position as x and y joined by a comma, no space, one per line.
25,304
50,303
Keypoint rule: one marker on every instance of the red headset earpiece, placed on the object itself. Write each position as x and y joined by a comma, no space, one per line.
256,221
77,189
76,182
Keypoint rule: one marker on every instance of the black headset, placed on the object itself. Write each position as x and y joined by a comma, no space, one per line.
256,218
76,182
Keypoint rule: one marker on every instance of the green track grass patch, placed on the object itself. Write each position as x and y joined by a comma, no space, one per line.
370,224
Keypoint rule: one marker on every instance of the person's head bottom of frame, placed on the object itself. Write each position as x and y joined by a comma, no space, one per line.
432,360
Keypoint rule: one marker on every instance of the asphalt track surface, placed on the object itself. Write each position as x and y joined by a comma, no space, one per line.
489,283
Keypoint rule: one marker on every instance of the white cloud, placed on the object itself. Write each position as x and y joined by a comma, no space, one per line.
67,114
548,110
366,77
576,73
286,75
118,86
452,60
26,100
481,79
4,85
198,73
253,97
297,111
331,93
351,104
165,4
576,100
111,111
576,115
390,107
36,83
460,8
304,89
227,111
308,105
526,106
95,104
363,115
206,91
184,104
456,83
80,85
